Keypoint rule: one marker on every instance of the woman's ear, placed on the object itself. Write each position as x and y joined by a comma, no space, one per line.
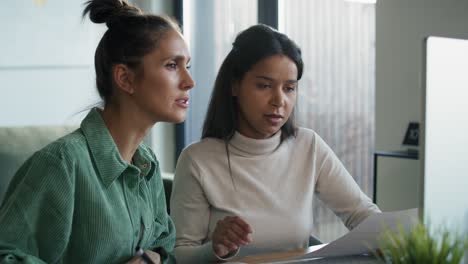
124,78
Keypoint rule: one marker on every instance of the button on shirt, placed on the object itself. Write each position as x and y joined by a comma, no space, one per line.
78,201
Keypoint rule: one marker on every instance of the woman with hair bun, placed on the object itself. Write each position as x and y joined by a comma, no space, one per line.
96,195
247,187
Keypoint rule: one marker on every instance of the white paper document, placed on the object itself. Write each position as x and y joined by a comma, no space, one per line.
364,238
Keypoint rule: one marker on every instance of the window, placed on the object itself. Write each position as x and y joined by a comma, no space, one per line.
210,29
337,90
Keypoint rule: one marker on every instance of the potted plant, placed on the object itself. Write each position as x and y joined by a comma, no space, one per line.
422,246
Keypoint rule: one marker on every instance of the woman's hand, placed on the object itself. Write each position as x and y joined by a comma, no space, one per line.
229,234
151,254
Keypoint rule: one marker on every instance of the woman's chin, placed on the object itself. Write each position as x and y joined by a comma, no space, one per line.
171,118
270,131
177,118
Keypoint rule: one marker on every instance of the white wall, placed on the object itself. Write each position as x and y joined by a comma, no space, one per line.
401,26
47,66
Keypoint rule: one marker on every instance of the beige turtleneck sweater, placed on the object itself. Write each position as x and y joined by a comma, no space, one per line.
271,187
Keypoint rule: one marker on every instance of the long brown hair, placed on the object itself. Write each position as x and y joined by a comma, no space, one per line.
250,46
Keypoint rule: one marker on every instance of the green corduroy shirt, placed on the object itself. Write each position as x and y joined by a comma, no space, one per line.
78,201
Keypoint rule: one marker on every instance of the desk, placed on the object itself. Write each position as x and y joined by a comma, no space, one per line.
282,258
396,154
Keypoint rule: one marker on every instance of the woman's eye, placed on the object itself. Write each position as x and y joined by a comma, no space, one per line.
172,66
188,66
263,86
290,89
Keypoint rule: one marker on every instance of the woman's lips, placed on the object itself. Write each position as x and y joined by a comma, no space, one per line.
274,119
182,102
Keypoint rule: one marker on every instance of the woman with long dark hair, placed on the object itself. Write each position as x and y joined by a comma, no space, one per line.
247,187
96,195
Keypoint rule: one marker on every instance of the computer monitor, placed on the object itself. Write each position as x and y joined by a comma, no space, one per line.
444,134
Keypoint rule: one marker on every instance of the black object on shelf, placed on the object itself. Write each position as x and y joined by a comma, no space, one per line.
405,154
412,135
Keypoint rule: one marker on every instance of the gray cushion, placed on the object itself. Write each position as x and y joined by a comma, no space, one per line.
19,143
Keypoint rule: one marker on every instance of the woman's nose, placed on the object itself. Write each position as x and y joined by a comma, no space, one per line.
187,83
277,98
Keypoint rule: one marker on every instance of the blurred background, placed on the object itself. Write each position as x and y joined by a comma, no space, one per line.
361,85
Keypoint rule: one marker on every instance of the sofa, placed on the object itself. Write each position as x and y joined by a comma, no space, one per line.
19,143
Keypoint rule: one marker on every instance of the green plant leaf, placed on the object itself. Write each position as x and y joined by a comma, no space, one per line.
420,246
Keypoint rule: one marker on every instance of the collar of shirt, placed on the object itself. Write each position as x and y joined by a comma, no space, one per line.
249,147
105,154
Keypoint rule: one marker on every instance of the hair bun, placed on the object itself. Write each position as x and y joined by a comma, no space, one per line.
107,11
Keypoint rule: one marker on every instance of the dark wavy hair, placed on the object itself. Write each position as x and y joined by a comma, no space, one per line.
131,34
250,46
